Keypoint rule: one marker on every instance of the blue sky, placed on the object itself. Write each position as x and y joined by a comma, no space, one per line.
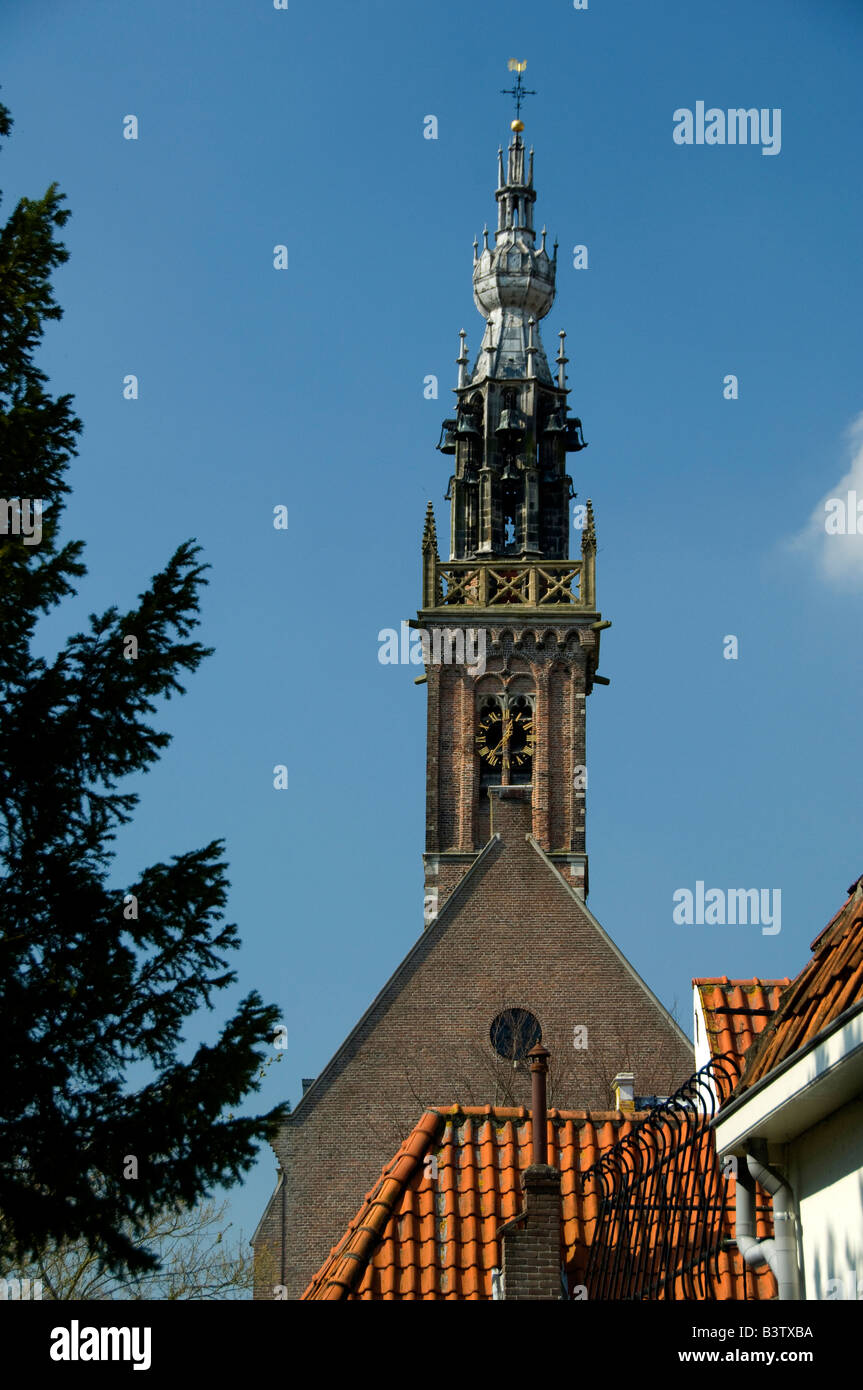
304,388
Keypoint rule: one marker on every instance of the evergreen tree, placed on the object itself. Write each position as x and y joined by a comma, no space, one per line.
96,981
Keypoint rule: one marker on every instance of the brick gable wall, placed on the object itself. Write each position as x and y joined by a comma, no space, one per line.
513,936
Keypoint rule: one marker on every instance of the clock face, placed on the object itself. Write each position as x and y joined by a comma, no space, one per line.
520,739
505,733
491,737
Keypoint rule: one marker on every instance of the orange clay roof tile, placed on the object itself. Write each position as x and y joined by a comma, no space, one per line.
417,1238
829,983
736,1012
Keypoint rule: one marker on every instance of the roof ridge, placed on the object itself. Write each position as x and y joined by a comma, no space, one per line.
522,1112
755,980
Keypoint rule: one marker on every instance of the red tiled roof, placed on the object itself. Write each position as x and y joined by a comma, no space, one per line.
421,1237
829,983
736,1012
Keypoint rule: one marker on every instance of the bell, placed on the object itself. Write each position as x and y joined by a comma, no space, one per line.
467,423
446,443
554,424
510,424
574,437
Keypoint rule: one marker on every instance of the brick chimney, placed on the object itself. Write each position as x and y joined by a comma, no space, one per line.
531,1243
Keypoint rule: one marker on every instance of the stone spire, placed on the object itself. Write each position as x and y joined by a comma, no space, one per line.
513,281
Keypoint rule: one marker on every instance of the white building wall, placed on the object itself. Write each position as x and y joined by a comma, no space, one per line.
699,1031
826,1173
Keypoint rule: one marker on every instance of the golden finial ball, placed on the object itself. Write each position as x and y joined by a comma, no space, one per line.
517,125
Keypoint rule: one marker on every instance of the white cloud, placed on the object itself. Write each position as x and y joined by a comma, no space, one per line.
838,558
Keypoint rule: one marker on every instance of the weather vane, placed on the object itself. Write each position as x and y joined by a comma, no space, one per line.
518,91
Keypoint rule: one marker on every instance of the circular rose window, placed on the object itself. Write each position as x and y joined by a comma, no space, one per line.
513,1033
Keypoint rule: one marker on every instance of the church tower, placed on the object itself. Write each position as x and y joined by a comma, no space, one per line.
512,713
509,954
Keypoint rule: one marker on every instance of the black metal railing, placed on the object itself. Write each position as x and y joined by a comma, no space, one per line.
662,1215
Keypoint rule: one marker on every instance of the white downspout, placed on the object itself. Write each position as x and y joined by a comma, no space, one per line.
781,1252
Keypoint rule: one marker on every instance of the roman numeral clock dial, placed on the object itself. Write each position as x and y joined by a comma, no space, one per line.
505,740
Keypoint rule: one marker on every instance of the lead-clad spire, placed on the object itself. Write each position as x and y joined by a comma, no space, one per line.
511,433
513,282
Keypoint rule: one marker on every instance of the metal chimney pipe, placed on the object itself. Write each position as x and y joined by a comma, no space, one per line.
539,1056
